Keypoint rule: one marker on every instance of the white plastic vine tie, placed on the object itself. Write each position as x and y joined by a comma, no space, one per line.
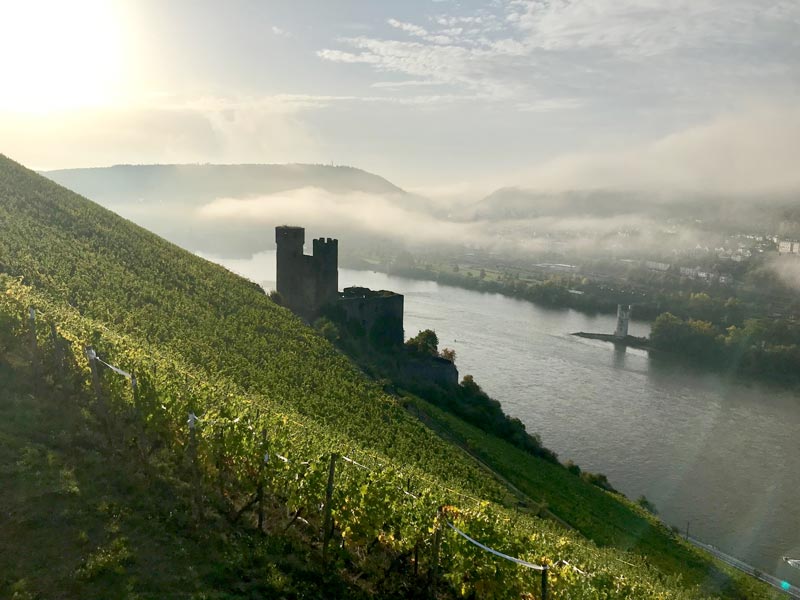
519,561
192,421
792,562
283,458
91,353
112,367
573,567
350,460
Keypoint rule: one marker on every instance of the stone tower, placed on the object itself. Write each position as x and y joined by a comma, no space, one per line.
290,266
623,318
306,283
326,270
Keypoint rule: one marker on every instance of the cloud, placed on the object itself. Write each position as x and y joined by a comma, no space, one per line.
747,153
169,130
549,105
408,28
166,128
403,84
595,51
646,28
388,217
373,215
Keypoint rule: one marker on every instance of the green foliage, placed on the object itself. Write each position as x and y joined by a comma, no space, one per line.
768,348
599,480
694,339
327,329
425,343
647,505
448,354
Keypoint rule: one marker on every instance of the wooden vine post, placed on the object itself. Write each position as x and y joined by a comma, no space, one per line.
544,582
34,346
260,488
58,360
327,526
198,508
437,544
92,357
221,461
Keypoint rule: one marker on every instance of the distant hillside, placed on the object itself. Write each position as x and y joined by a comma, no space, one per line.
770,215
197,184
167,199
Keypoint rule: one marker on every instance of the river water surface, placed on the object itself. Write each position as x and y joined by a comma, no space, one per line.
720,455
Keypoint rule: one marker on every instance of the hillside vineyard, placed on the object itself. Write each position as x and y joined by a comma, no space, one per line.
204,343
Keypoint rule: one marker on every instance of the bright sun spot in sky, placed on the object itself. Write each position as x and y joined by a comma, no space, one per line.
59,54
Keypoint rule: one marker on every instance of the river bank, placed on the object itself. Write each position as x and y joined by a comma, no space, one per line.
703,447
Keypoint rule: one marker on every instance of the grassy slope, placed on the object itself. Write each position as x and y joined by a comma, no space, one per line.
605,518
147,292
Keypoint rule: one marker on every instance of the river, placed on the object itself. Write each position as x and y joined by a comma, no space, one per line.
717,454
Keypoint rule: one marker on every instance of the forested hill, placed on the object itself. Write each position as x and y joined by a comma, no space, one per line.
276,405
201,183
170,199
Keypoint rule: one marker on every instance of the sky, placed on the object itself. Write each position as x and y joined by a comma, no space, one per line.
444,97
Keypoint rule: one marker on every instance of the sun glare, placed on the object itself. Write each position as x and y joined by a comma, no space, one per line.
59,54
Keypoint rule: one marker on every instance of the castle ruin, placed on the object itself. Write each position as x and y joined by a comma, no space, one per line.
310,284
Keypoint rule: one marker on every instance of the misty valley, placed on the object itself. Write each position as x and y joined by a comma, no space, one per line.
423,300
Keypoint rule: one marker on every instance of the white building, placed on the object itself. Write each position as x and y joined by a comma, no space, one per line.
657,266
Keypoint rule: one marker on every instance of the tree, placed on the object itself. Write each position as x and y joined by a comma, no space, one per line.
647,505
327,329
425,343
448,354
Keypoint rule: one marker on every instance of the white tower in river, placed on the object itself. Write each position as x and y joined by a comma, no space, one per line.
623,317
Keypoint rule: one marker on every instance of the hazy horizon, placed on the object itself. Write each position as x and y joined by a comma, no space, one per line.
443,98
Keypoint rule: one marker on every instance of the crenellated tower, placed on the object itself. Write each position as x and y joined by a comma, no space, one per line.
306,283
326,261
289,278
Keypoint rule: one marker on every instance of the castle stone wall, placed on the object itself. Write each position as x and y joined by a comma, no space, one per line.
380,313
